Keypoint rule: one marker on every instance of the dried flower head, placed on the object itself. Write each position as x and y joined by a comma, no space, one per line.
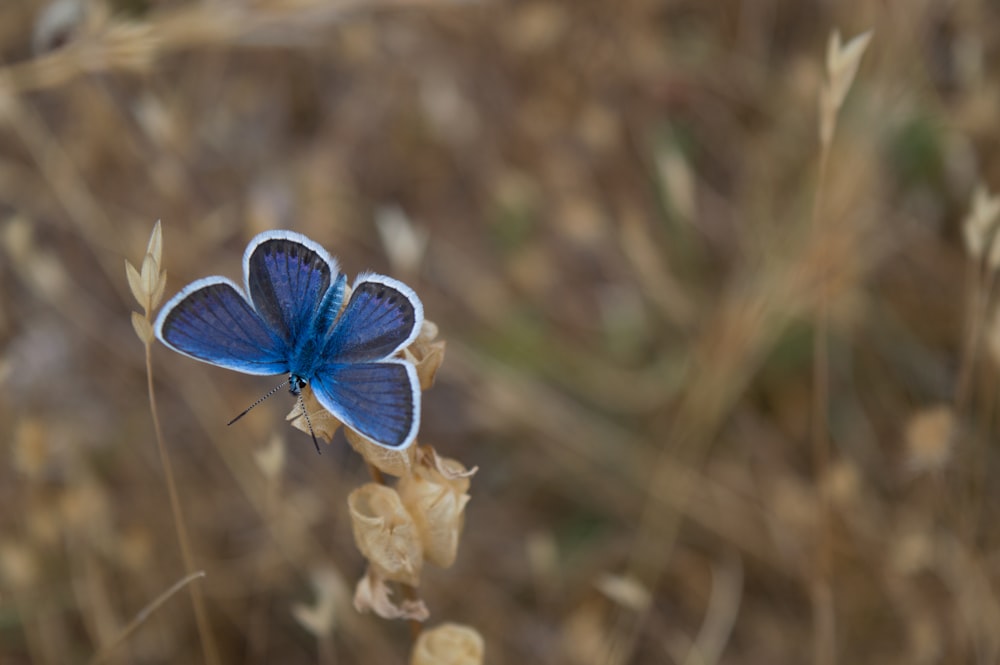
842,61
147,284
426,354
372,594
448,644
435,495
386,534
394,462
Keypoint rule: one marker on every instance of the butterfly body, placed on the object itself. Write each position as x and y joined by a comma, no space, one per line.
291,319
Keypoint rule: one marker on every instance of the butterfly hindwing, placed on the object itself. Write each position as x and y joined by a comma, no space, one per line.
382,316
380,400
211,320
287,276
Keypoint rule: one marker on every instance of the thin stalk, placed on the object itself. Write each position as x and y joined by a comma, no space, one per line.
824,621
144,614
197,600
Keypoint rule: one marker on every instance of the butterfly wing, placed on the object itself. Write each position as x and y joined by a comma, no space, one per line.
210,320
379,400
382,317
287,277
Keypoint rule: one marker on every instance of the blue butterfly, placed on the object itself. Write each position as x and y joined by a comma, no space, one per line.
288,320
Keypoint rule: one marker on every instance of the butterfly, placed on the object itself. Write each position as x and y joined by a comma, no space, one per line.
290,318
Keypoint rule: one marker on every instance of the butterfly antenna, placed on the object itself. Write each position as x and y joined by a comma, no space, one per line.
271,392
302,408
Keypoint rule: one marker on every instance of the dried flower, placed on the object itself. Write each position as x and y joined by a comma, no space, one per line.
435,495
387,460
147,284
373,594
320,617
448,644
426,354
386,534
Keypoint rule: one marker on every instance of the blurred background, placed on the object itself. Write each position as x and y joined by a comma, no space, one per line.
617,216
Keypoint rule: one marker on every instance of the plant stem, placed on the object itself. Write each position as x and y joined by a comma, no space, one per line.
197,600
824,620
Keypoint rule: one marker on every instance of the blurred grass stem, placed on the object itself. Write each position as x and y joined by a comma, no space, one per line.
197,600
824,624
144,614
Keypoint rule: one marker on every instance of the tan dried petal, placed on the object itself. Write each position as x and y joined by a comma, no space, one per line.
394,462
385,533
437,504
143,328
150,277
449,468
426,354
157,295
842,64
320,617
324,424
448,644
372,594
135,283
155,246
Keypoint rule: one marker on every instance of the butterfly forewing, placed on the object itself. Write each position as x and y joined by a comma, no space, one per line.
381,317
211,320
380,400
287,279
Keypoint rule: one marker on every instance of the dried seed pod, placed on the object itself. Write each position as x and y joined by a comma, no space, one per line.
448,644
426,354
385,533
394,462
372,594
435,495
